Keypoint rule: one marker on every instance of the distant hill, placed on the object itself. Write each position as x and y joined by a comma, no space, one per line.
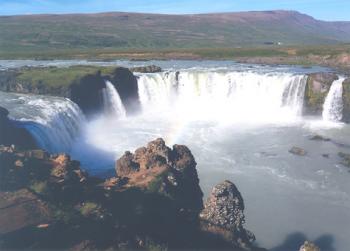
149,31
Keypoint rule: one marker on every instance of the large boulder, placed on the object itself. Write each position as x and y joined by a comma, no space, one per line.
346,100
317,88
160,169
223,215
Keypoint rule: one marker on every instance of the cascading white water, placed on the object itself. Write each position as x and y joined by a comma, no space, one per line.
239,95
333,105
55,125
112,102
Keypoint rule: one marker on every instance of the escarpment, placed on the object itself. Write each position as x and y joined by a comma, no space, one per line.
154,201
82,84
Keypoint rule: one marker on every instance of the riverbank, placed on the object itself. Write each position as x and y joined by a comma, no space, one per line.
335,56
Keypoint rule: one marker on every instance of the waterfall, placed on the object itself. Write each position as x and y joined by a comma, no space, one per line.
333,105
238,95
112,102
54,123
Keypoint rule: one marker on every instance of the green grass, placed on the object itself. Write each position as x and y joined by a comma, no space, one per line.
58,76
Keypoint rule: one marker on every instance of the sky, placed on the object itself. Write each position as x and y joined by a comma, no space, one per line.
321,9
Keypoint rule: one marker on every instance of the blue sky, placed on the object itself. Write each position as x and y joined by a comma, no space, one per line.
320,9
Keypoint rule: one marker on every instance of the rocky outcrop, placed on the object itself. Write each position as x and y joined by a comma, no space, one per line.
154,203
223,215
147,69
167,171
37,170
317,87
346,100
82,86
12,135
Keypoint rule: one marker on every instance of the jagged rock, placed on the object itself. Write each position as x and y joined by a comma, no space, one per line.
126,165
164,170
223,215
297,151
317,87
309,246
147,69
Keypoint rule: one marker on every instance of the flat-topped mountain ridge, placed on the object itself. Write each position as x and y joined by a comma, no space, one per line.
121,30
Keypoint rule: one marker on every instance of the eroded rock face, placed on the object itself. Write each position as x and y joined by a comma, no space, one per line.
317,88
223,215
159,168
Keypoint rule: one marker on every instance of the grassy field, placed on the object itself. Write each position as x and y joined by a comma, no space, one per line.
58,76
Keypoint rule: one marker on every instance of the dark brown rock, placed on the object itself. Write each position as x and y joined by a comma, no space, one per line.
126,165
161,169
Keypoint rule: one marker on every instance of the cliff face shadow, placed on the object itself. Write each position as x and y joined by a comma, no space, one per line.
295,240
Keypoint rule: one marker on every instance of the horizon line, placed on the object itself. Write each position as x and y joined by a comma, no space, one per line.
164,14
